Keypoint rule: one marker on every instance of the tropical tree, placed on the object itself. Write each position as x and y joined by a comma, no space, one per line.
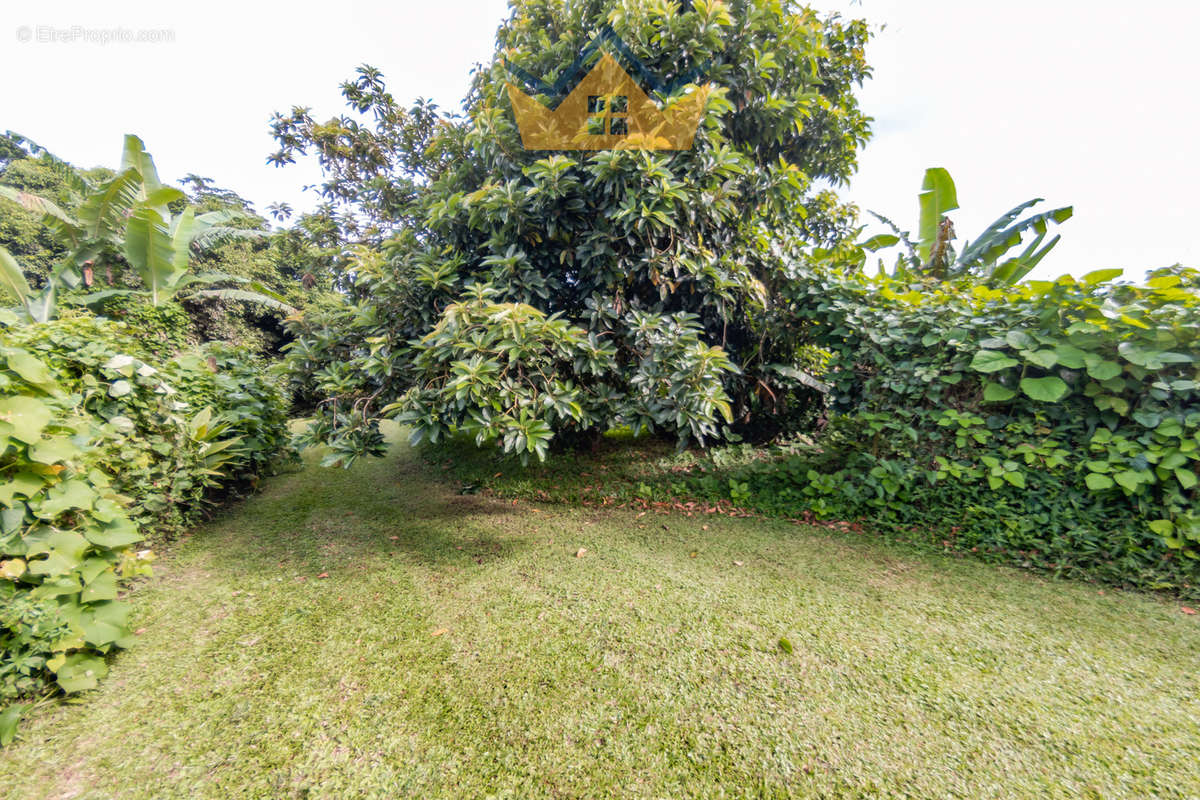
986,258
641,251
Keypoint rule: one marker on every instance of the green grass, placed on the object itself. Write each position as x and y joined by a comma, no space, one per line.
458,649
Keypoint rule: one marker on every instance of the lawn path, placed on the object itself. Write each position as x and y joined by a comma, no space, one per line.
372,633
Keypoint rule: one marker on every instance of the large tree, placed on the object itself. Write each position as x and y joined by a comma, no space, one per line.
523,295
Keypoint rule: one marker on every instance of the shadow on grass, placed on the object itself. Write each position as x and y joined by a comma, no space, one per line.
376,510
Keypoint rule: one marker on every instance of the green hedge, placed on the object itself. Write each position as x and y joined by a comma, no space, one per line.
1055,424
104,448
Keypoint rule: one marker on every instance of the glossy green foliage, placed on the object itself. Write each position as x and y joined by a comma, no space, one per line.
104,447
603,240
1058,420
66,540
497,371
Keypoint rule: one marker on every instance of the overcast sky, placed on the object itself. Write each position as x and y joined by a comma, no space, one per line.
1083,103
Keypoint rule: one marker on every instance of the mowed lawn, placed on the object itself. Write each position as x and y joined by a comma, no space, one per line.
372,633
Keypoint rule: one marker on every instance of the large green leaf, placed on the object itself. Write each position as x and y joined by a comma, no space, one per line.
36,204
9,718
27,415
992,361
997,393
1050,389
117,533
937,198
31,369
148,250
211,236
996,241
41,307
80,671
103,213
183,230
12,278
134,156
994,233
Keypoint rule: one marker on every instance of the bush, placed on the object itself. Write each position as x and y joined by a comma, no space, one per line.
1054,424
165,328
103,448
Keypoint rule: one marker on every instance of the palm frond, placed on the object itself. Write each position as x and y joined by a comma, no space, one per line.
65,226
242,295
207,239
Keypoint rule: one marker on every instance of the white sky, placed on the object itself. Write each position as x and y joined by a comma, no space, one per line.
1083,103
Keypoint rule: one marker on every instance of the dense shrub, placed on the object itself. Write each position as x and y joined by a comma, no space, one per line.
105,447
1055,424
164,328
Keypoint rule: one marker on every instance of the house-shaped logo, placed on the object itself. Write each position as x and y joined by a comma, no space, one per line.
607,109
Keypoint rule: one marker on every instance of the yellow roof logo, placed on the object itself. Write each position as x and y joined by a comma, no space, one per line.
608,110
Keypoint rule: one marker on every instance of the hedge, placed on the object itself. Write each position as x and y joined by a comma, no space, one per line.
104,447
1055,424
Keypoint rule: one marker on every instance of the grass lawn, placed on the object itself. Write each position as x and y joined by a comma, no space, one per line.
373,633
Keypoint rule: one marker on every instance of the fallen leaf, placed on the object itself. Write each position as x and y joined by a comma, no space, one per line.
393,538
703,527
739,563
581,552
323,575
1187,610
693,554
440,631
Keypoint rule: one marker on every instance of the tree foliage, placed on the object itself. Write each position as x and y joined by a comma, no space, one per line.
609,242
95,237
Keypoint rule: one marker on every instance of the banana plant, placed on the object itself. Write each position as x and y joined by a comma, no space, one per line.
39,306
934,255
127,221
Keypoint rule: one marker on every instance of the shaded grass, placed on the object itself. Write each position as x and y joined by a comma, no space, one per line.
458,648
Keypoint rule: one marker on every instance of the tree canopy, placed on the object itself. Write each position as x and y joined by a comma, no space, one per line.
661,265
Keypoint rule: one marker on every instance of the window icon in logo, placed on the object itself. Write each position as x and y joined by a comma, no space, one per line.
608,114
